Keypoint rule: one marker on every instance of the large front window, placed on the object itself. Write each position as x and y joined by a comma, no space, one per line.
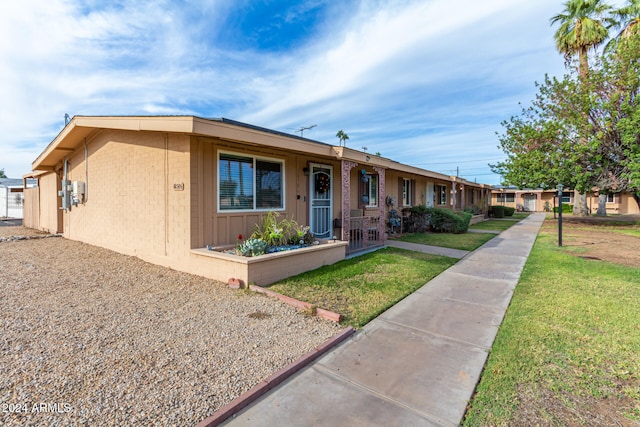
249,183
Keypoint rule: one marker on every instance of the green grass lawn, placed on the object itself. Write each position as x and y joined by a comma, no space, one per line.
570,342
465,241
495,224
361,288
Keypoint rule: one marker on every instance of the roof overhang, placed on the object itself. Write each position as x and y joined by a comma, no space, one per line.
81,127
373,160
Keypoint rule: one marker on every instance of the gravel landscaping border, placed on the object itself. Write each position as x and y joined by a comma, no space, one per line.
93,337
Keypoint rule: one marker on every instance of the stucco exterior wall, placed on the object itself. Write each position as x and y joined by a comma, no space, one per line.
42,204
628,204
137,198
623,203
32,208
50,212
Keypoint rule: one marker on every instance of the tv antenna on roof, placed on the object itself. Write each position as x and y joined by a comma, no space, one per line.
302,129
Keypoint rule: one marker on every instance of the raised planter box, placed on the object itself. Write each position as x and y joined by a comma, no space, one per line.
269,268
476,219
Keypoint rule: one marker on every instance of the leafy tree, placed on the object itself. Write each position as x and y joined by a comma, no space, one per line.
550,142
583,26
2,175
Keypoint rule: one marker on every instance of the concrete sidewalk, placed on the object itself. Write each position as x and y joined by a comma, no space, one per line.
428,249
418,363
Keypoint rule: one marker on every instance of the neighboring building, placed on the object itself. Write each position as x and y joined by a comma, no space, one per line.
161,187
12,197
545,200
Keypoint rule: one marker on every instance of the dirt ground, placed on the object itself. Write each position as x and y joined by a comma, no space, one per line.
614,238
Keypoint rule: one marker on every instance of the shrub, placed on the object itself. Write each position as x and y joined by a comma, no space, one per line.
446,221
418,219
497,211
566,208
509,211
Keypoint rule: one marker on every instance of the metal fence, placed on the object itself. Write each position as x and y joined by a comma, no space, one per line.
364,233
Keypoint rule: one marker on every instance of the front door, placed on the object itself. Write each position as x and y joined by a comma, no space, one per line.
321,190
529,203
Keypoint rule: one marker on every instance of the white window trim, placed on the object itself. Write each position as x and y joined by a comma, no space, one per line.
254,157
504,197
438,193
406,190
369,192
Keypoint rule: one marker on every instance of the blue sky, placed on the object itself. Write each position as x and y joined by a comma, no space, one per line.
425,82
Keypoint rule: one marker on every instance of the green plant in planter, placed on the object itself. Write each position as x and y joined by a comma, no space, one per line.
304,236
276,232
253,247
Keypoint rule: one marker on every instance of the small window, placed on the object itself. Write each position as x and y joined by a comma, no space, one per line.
611,198
506,197
247,183
406,192
372,190
566,199
441,194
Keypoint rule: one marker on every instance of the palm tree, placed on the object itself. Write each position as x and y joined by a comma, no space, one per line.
628,20
583,26
342,137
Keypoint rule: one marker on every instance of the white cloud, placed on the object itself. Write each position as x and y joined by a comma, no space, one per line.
416,80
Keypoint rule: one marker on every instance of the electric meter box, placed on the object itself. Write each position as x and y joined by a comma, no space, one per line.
77,191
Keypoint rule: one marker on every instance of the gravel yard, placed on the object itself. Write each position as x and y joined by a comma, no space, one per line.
92,337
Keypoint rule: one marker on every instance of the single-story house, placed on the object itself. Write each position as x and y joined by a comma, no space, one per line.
12,196
166,188
538,200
